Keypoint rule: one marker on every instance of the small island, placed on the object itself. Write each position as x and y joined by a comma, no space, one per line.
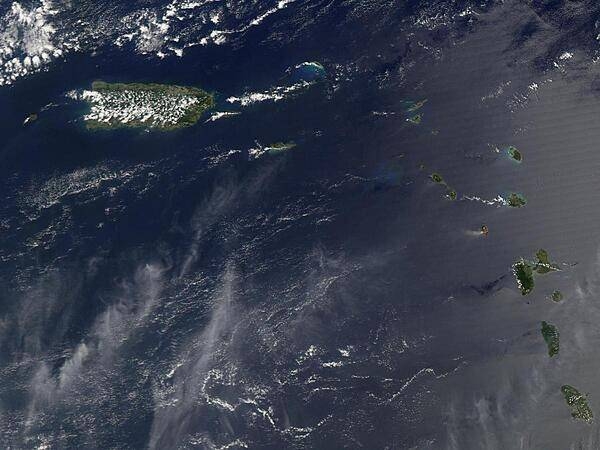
578,404
271,149
516,200
279,147
515,154
415,120
309,72
438,179
552,338
543,264
557,296
160,106
410,106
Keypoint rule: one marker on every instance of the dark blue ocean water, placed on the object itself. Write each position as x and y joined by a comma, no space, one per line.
167,290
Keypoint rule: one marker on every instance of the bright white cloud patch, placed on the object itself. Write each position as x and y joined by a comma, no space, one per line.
28,40
33,34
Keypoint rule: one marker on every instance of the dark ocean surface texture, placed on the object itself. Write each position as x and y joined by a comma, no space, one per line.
354,246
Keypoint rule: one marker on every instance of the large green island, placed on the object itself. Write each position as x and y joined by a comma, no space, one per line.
552,338
161,106
578,404
524,270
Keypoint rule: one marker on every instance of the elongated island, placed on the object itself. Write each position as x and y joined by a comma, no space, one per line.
160,106
578,404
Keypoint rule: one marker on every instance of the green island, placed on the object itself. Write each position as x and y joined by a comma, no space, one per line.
524,275
160,106
557,296
438,179
515,154
416,119
412,106
543,264
578,404
516,200
552,338
410,110
417,105
279,147
524,270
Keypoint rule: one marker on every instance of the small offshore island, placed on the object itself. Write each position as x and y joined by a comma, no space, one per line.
556,296
271,149
279,147
515,154
161,106
516,200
